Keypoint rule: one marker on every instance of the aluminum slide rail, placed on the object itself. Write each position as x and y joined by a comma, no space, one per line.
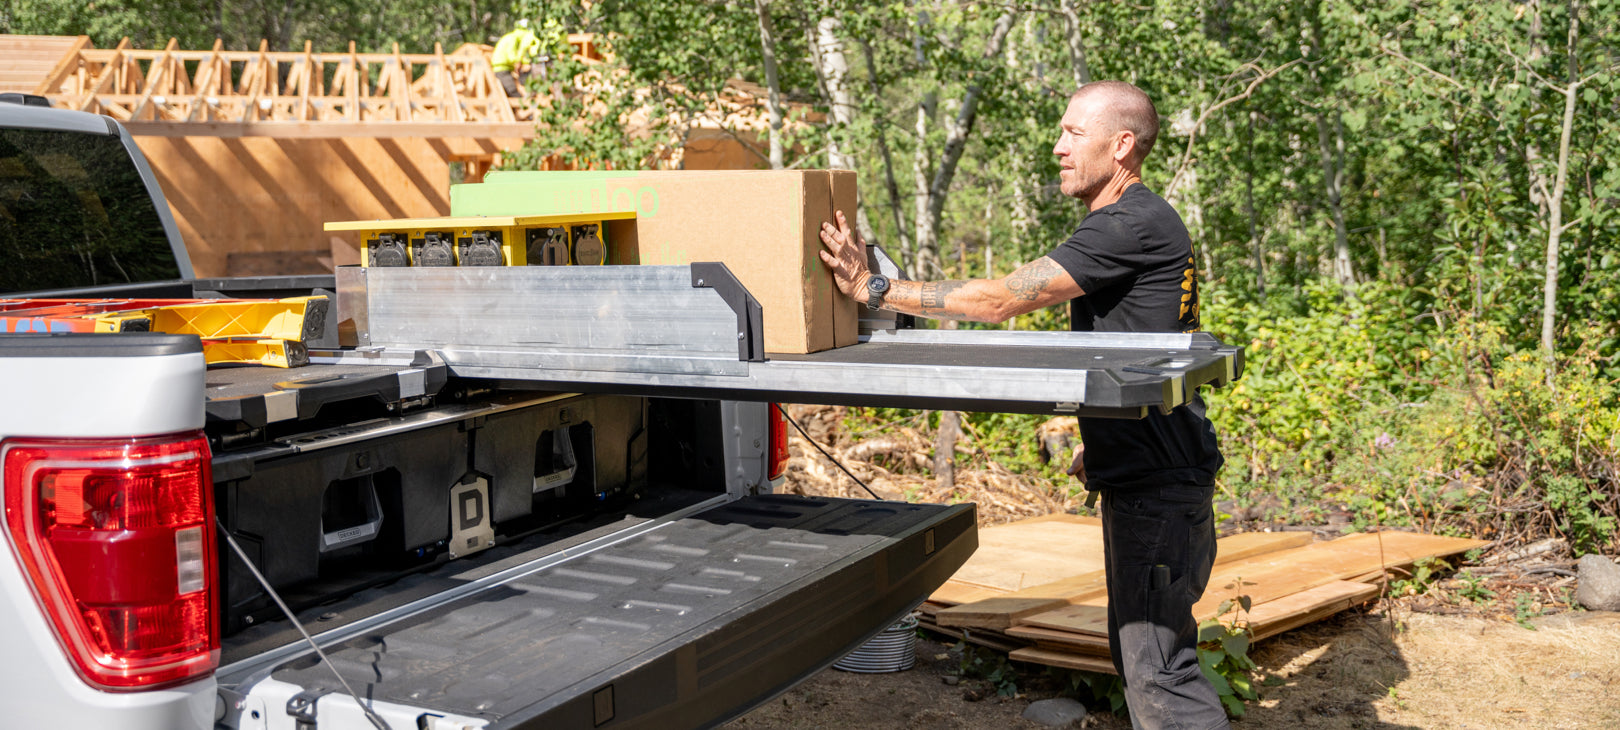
693,331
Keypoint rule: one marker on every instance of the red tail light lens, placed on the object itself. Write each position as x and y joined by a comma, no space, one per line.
117,539
779,442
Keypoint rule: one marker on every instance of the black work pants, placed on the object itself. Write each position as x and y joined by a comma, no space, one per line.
1159,547
512,82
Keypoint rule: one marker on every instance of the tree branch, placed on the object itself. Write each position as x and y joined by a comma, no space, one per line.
1192,137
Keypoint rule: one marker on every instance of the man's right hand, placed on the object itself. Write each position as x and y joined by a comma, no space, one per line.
846,256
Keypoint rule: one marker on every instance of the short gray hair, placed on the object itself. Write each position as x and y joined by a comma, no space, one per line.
1128,108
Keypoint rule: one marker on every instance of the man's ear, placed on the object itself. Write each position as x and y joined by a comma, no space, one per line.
1124,146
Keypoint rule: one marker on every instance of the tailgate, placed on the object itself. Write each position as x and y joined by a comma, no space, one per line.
686,624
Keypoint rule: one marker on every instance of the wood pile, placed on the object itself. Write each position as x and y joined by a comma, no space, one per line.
1036,590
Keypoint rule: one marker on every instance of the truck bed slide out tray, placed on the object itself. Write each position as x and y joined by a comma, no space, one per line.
694,332
685,624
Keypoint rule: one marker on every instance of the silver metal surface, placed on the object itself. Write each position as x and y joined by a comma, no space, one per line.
280,406
1171,343
351,307
412,383
362,430
894,649
645,328
239,671
1031,385
615,318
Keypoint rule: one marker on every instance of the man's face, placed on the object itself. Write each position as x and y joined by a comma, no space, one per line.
1085,149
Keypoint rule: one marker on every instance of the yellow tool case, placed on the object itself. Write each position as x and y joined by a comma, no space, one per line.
527,240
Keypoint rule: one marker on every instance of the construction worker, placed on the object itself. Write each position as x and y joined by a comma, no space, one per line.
513,58
1128,267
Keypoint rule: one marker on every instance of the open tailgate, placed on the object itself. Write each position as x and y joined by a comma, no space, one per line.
686,623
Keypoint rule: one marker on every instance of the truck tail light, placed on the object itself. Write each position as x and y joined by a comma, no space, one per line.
779,442
117,540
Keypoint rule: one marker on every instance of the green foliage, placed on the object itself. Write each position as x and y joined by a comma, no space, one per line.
1421,580
1416,413
1525,609
1473,589
991,666
1107,689
1223,657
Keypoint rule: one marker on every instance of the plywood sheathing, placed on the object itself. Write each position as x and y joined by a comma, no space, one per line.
257,205
30,59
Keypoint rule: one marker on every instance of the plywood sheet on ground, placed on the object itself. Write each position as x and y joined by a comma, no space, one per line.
1264,620
1003,611
1033,552
1064,660
1275,575
987,639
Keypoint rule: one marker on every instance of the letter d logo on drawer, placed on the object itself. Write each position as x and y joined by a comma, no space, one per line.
470,528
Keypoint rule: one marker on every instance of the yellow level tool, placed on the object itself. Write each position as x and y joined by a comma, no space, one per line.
297,319
273,353
262,332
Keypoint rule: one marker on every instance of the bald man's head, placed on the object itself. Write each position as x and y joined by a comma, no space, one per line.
1127,108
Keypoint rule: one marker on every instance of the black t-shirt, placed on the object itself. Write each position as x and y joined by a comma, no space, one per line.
1134,261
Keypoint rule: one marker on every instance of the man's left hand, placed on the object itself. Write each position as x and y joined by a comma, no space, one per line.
846,256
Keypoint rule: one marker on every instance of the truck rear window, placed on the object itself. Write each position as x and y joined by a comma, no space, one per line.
74,212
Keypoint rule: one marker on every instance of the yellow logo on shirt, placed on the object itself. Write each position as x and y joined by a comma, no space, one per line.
1189,297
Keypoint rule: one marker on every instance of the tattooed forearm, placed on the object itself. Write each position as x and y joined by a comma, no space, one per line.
1037,284
934,294
1029,281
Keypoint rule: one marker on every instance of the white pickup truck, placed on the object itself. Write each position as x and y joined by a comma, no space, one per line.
475,534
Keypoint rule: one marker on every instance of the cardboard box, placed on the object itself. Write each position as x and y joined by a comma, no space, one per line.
764,225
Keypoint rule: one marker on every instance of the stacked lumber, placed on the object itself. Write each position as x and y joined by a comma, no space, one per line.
1036,589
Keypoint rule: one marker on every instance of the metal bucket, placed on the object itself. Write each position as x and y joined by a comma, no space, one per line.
893,650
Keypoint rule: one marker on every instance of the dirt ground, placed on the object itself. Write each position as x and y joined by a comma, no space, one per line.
1425,661
1361,669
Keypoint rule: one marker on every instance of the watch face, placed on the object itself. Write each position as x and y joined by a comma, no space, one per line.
878,283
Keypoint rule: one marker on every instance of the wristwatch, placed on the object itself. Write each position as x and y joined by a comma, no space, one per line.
876,287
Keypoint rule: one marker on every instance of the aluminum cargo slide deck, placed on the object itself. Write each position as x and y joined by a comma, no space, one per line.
686,624
694,331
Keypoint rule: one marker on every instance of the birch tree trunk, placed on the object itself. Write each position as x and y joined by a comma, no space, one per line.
931,197
767,41
1330,140
834,69
1077,45
950,430
1330,137
907,257
925,235
1534,163
1555,225
1248,210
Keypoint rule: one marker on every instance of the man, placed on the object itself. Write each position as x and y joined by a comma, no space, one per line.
1127,268
511,58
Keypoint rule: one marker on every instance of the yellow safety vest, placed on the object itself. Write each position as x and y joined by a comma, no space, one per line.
514,48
